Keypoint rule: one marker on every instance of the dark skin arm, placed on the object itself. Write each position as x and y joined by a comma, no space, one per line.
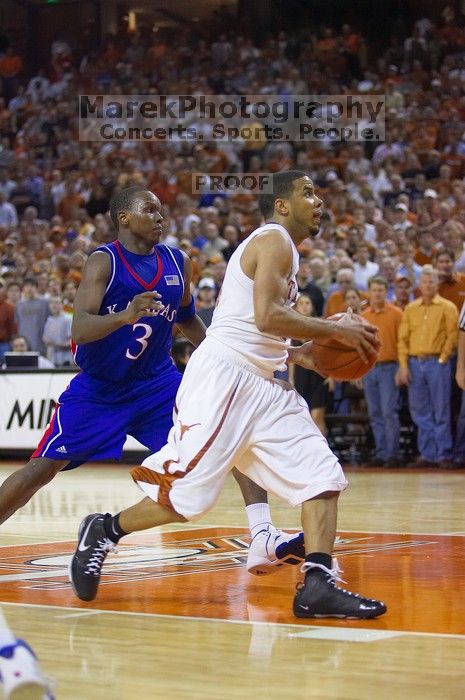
194,329
87,324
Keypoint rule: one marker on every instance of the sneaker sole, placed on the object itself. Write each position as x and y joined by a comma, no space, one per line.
259,569
263,567
340,617
70,566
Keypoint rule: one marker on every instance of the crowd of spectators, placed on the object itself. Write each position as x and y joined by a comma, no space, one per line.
390,209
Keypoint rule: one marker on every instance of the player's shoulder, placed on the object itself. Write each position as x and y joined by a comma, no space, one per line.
98,263
270,250
172,251
274,239
271,231
102,254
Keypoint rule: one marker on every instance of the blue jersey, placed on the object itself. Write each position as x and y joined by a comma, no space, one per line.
140,350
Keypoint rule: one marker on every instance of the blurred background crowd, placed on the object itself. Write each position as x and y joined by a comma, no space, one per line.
394,211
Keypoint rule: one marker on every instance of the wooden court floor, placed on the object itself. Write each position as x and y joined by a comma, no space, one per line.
178,617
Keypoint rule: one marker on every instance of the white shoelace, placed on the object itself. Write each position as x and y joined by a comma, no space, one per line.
333,573
333,577
99,553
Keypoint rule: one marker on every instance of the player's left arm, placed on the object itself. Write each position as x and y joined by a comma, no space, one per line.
190,325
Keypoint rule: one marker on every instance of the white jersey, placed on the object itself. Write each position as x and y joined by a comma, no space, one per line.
233,326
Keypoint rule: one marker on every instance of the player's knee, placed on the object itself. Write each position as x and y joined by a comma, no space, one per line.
40,471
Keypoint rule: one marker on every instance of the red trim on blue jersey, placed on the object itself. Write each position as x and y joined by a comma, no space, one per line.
48,433
149,286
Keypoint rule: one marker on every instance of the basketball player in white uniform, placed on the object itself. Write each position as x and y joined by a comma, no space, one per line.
231,411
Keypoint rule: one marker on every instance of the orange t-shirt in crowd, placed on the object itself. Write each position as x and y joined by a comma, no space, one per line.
336,303
454,290
8,326
10,66
422,259
344,220
166,191
68,204
387,321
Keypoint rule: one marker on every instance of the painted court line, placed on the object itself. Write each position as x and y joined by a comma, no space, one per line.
347,634
244,529
72,538
83,613
292,528
191,618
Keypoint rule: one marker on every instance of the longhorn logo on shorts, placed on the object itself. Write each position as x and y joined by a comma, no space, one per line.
185,428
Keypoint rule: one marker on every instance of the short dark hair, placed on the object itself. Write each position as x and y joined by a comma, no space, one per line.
30,280
445,251
123,200
17,337
283,184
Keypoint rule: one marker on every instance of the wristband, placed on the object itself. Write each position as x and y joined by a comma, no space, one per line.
186,313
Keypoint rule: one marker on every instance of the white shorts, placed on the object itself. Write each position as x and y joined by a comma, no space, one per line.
227,415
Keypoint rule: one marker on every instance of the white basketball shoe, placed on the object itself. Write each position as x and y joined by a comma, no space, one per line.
271,548
21,675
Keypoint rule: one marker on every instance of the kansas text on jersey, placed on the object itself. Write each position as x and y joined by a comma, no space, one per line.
142,349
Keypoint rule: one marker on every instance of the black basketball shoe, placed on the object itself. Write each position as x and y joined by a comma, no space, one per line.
318,596
86,564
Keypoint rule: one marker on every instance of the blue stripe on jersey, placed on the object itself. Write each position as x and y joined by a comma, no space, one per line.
142,349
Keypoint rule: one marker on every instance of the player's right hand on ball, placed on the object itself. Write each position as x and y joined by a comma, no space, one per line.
145,304
358,334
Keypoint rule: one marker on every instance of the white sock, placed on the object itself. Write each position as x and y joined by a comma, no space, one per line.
259,517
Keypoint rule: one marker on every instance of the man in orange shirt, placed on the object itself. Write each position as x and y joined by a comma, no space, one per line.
402,292
425,252
381,391
70,203
451,284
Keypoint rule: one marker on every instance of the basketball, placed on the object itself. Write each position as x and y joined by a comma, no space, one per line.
339,361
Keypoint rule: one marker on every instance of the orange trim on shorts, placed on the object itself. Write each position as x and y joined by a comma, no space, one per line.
165,480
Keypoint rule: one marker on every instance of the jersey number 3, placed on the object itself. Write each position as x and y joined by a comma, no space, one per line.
142,340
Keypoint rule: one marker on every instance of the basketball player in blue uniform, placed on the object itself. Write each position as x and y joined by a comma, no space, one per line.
133,291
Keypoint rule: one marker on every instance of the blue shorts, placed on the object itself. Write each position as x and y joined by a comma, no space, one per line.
93,418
